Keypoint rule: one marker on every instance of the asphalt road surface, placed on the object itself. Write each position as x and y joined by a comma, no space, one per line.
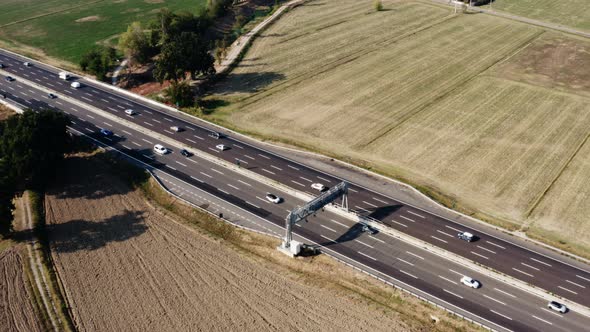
509,308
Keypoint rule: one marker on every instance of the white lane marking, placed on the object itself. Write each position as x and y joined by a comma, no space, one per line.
505,293
190,140
267,171
157,121
214,150
198,137
337,222
237,146
486,249
480,255
416,214
31,91
405,261
38,80
68,92
191,128
447,279
542,320
194,178
530,266
254,205
411,275
232,186
413,254
528,274
50,84
249,157
273,166
371,205
181,164
573,283
321,178
407,218
111,98
148,111
328,228
172,168
493,299
86,98
90,116
170,120
149,124
495,245
567,290
263,156
119,106
459,296
376,239
461,274
27,75
362,209
225,192
361,242
538,261
246,183
379,200
126,147
453,228
582,278
242,161
145,140
306,179
148,157
28,102
106,101
119,136
262,199
367,256
88,94
126,132
108,139
90,130
444,233
192,161
353,190
24,94
499,314
72,122
107,124
207,175
552,312
216,171
293,167
441,240
325,237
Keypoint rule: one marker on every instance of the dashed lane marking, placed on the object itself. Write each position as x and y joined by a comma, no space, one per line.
190,140
126,132
530,266
149,124
254,205
505,293
267,171
573,283
379,200
459,296
179,163
499,314
447,234
217,171
367,256
148,157
495,245
328,228
449,280
528,274
567,290
145,140
376,239
172,168
408,219
205,174
249,157
413,254
370,204
278,168
436,238
399,223
232,186
306,179
409,274
405,261
542,320
194,178
493,299
338,223
238,146
242,182
293,167
321,178
361,242
480,255
486,249
540,262
416,214
199,137
263,156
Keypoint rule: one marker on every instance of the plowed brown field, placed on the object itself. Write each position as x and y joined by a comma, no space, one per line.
126,267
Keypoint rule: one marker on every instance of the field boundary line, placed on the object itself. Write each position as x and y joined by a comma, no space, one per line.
565,166
459,85
48,14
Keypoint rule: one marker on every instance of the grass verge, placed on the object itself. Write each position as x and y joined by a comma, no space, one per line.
55,290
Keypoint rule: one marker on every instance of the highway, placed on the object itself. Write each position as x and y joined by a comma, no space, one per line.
407,264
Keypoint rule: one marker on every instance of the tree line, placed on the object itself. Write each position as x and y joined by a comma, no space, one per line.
32,146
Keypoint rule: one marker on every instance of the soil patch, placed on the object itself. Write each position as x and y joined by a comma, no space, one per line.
17,312
93,18
126,266
5,112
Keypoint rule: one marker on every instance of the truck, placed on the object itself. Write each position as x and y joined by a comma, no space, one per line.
64,75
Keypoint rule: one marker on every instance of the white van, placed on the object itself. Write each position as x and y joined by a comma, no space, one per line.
76,85
64,75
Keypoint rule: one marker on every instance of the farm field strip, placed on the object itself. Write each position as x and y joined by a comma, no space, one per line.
573,13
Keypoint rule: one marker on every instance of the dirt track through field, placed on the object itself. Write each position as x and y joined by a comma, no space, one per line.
125,267
16,309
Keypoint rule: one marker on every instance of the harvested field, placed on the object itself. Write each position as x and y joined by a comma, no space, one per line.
125,266
5,112
573,13
484,110
16,308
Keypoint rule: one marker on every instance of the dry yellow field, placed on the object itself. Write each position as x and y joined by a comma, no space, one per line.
485,110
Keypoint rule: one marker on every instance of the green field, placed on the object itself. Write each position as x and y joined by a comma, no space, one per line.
571,13
490,112
65,29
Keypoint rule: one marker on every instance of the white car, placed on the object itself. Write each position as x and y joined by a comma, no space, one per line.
160,149
466,236
27,64
467,281
318,186
273,198
129,111
222,147
176,129
557,307
76,85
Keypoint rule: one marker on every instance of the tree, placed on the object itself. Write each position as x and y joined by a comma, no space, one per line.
186,53
98,61
135,43
181,94
31,147
378,5
217,8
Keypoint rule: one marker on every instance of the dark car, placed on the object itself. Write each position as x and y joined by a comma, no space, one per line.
2,65
106,132
185,153
369,229
51,96
9,78
216,135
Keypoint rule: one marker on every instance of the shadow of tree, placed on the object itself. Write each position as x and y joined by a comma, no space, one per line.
79,234
246,82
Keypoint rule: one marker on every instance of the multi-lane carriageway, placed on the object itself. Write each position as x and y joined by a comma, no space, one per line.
545,272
